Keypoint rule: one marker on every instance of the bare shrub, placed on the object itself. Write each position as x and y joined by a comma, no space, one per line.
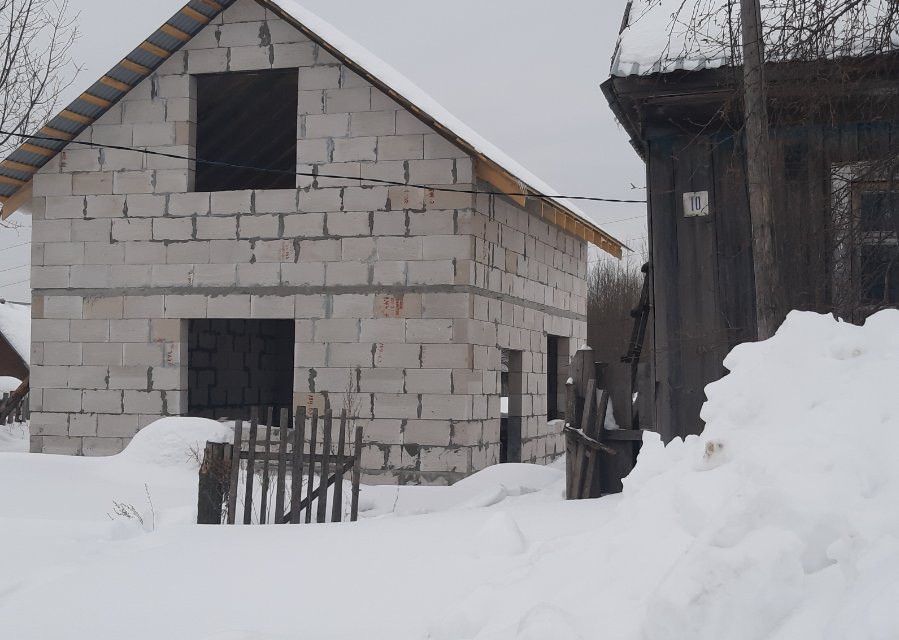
613,292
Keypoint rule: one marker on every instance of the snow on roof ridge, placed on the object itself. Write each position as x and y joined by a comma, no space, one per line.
662,36
420,98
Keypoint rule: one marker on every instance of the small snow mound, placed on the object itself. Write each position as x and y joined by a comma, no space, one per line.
173,442
547,621
500,536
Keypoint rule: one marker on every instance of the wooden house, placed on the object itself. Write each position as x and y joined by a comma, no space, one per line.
834,137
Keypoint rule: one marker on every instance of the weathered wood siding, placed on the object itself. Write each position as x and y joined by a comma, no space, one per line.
702,267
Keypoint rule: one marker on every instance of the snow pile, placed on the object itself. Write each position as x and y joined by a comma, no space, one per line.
14,437
788,500
779,523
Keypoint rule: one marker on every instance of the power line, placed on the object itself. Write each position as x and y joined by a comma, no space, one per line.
229,165
11,284
21,266
5,301
21,244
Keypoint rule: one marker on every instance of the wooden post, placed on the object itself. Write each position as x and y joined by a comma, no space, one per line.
337,508
296,466
357,475
312,437
251,468
321,514
267,443
235,472
282,468
211,486
758,169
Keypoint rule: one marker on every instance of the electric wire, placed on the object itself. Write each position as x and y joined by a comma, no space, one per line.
230,165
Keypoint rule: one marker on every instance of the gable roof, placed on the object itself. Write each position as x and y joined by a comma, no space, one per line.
493,166
664,36
15,329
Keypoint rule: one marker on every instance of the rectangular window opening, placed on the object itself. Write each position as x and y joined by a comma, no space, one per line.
512,382
247,119
235,365
556,376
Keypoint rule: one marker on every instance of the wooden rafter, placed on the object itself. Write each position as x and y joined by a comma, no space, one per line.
95,100
158,51
41,151
68,114
50,132
21,167
135,67
175,32
115,84
193,14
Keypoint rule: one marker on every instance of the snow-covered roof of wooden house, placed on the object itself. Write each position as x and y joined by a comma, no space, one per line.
663,36
494,166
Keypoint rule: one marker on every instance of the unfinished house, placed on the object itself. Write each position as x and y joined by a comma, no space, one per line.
269,250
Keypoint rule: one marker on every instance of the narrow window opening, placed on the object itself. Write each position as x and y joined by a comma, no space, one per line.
247,119
556,368
512,381
234,365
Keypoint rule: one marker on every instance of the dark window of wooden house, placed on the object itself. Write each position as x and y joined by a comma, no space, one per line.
247,119
878,253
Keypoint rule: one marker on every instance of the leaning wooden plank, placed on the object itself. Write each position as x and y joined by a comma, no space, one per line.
337,509
588,423
235,471
312,438
570,452
209,485
586,480
296,465
357,475
263,500
251,469
282,469
325,479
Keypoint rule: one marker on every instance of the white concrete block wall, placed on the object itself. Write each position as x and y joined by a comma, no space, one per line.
405,296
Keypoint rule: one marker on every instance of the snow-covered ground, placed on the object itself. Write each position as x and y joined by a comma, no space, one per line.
779,522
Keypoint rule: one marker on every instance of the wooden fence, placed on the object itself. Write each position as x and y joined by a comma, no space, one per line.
14,407
283,460
598,458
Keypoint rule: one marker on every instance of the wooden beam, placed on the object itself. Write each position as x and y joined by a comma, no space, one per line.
75,117
15,202
19,166
95,100
176,33
41,151
193,14
155,50
213,4
136,68
500,179
13,181
56,133
115,84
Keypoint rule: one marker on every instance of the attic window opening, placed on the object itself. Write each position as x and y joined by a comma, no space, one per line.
247,119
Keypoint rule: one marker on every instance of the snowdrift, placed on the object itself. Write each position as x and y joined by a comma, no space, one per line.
779,522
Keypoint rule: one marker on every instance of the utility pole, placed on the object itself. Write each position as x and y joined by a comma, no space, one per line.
758,169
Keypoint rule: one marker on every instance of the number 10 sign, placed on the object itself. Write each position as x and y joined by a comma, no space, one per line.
696,203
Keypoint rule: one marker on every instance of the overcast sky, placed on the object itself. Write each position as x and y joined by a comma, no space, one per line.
523,73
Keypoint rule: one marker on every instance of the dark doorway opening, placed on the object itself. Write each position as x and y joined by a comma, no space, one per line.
512,382
247,119
234,365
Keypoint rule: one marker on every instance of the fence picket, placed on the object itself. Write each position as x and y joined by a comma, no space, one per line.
296,468
357,473
309,488
235,471
337,508
322,511
251,470
282,469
